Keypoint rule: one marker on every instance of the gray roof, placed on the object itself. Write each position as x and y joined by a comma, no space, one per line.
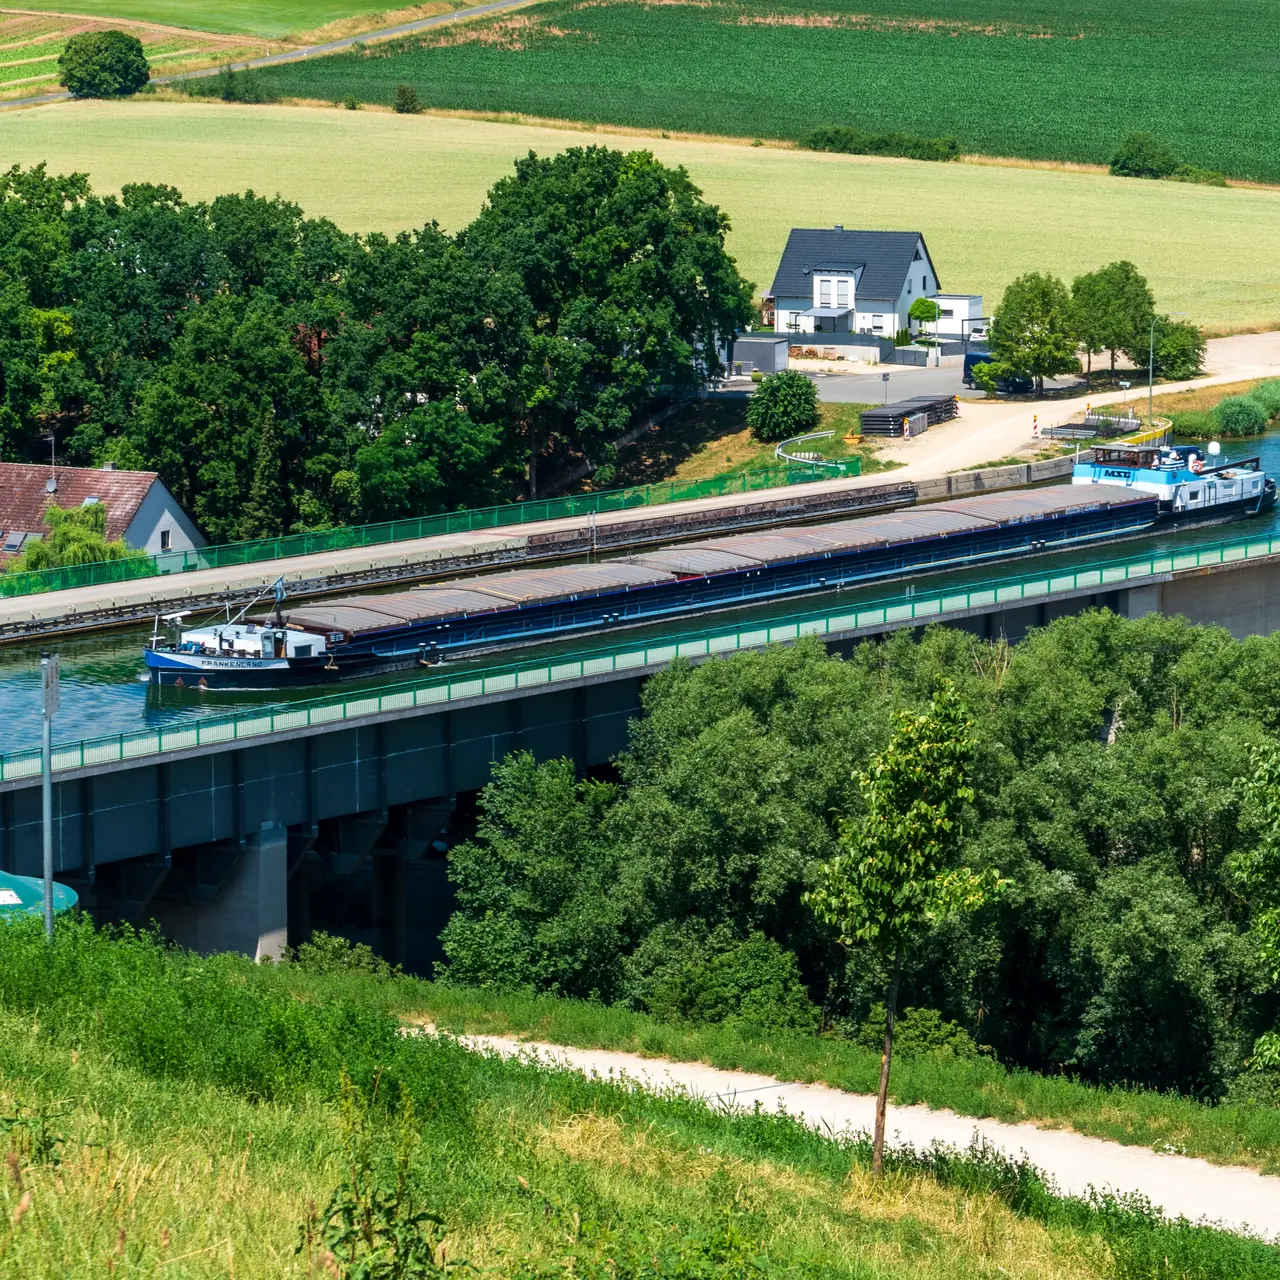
885,257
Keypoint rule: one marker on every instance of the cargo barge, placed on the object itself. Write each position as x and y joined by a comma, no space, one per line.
327,640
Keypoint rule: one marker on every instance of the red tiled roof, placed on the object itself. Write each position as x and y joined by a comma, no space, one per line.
23,497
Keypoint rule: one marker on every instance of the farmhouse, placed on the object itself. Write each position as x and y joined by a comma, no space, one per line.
833,281
140,509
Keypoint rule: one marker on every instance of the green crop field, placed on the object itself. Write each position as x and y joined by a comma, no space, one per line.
1055,79
985,224
241,17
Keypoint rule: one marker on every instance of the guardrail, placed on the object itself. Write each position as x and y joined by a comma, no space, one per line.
438,691
837,466
369,535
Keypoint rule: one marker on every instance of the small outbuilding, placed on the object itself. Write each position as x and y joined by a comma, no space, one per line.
140,509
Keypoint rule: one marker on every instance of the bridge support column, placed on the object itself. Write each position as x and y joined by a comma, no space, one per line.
249,912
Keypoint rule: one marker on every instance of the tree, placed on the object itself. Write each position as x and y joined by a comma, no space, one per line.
1143,155
1179,349
76,536
1112,309
406,101
894,877
784,405
103,64
925,311
1033,331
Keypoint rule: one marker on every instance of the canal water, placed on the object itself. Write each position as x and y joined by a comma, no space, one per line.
104,692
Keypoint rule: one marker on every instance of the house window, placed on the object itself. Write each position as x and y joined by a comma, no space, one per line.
164,539
908,286
824,293
877,322
924,284
947,315
842,293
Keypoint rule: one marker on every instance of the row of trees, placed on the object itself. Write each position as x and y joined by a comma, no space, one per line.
1041,327
1094,771
282,374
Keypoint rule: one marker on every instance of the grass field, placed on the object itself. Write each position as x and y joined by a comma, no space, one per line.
167,1115
984,224
30,46
1056,79
268,18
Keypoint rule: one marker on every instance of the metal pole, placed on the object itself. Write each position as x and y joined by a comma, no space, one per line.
1151,377
46,796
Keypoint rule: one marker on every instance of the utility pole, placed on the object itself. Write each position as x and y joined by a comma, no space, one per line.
50,695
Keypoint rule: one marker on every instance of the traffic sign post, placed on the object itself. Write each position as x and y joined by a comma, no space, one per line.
884,377
51,695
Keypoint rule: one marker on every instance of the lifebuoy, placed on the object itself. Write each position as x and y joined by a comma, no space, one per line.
1196,465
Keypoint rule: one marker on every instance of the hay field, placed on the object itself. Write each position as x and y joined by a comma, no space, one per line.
1209,252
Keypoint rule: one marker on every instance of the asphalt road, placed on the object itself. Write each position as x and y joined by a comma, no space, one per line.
307,51
906,381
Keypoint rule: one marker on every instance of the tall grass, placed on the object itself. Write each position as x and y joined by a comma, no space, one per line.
195,1110
979,1087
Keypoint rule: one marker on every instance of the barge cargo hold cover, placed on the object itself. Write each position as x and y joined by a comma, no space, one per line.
360,635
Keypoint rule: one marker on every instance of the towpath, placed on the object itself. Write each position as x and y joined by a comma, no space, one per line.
1239,1199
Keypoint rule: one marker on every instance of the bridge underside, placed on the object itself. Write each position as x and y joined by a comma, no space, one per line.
249,847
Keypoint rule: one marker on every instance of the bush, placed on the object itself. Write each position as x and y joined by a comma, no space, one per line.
1143,155
1204,177
233,86
917,1032
1179,350
406,101
902,338
326,953
755,982
1242,416
851,141
1267,394
784,405
103,64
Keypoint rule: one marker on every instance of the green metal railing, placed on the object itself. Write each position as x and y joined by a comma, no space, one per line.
441,690
369,535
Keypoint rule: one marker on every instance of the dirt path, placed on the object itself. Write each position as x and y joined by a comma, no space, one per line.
1239,1199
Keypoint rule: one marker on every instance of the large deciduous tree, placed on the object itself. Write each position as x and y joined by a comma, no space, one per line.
631,290
103,64
1033,331
1113,309
896,876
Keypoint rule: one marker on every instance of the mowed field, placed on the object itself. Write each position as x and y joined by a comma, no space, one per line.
1054,79
1212,253
267,18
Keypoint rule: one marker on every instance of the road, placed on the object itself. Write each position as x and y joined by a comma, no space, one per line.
306,51
1239,1199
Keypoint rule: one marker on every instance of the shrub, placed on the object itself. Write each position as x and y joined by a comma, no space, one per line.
1242,416
233,86
406,101
327,953
1267,394
1143,155
902,338
1179,351
851,141
755,982
917,1032
103,64
784,405
1205,177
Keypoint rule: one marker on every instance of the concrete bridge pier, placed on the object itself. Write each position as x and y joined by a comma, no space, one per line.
248,911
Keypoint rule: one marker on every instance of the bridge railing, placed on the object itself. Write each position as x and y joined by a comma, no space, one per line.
369,535
908,607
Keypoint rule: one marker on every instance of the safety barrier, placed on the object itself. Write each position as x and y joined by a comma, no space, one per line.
369,535
435,691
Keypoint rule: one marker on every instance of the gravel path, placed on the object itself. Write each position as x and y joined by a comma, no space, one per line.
1239,1199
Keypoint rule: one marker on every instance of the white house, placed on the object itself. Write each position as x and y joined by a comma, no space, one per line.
140,509
854,282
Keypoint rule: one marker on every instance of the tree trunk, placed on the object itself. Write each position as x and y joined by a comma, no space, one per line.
882,1097
533,463
1088,373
